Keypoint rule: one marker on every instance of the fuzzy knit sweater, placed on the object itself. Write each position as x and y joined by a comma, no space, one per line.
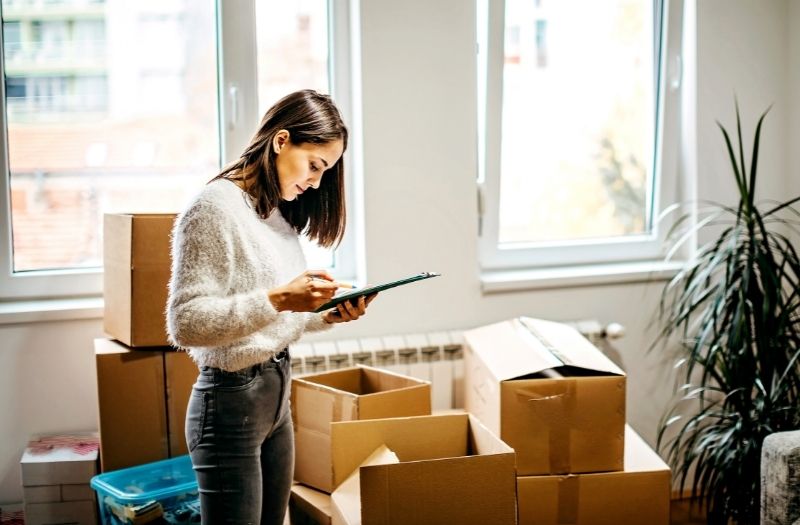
225,259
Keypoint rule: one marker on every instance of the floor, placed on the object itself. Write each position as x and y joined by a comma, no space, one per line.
680,514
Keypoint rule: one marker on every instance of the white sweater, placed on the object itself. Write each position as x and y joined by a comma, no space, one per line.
225,259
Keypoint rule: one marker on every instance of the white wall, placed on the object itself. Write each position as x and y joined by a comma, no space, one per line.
420,162
743,52
793,69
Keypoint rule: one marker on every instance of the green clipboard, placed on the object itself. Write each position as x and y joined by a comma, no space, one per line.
358,292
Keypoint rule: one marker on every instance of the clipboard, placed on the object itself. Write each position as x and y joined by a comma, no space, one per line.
358,292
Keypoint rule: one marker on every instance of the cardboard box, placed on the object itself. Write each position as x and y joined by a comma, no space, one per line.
132,405
308,506
136,271
348,394
70,512
639,494
547,392
55,467
451,469
142,398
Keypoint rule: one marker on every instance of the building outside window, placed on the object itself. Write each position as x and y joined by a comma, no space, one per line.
97,124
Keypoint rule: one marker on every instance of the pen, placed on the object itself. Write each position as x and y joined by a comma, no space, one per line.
337,283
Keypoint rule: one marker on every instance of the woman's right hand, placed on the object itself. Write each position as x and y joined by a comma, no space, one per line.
306,292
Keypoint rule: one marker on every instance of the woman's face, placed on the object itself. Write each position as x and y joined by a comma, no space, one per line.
301,166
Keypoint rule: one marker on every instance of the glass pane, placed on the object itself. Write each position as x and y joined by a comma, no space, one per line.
111,107
578,120
293,53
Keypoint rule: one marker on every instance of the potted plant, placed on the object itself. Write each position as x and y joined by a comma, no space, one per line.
734,311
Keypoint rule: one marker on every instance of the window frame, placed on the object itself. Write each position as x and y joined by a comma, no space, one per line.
666,188
237,102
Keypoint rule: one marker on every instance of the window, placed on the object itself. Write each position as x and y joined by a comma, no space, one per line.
96,125
577,145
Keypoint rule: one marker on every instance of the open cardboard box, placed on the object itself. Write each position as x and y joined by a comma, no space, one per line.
547,392
639,494
349,394
449,469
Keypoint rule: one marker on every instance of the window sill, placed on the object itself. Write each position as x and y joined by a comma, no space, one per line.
575,276
48,310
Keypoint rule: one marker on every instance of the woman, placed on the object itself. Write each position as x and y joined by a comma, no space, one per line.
239,296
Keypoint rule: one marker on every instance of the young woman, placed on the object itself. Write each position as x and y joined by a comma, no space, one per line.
240,295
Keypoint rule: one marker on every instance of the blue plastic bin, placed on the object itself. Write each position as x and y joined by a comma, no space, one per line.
160,492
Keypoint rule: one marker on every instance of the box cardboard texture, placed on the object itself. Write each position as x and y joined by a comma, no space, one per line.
451,469
639,494
309,506
348,394
142,398
548,393
136,270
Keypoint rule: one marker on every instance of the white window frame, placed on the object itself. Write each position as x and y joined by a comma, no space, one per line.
238,120
666,189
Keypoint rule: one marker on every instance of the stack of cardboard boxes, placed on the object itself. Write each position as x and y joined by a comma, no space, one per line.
55,483
143,384
560,404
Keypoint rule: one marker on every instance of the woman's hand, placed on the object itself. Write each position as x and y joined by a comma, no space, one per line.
347,311
306,292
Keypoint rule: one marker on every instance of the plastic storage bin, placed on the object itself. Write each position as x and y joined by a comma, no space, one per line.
160,492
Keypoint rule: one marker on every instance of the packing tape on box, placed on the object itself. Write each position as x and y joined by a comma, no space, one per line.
554,406
568,497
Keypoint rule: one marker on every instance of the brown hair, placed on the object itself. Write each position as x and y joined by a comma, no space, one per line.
308,116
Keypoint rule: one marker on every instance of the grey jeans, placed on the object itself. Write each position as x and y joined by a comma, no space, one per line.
240,438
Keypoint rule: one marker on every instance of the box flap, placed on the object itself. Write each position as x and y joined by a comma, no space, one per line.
481,441
520,347
569,346
376,381
315,406
344,381
346,499
639,457
309,506
363,380
509,350
408,401
409,437
467,490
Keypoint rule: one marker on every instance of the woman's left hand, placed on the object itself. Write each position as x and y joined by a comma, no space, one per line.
347,311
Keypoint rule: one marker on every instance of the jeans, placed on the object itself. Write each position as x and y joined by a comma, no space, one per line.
240,438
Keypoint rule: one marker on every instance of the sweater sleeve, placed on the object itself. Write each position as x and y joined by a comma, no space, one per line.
200,311
315,323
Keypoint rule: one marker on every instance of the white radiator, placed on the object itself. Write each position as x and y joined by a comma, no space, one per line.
434,356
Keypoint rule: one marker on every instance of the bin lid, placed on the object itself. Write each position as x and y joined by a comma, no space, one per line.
151,481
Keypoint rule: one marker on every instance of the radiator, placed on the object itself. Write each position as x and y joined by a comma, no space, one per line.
434,356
